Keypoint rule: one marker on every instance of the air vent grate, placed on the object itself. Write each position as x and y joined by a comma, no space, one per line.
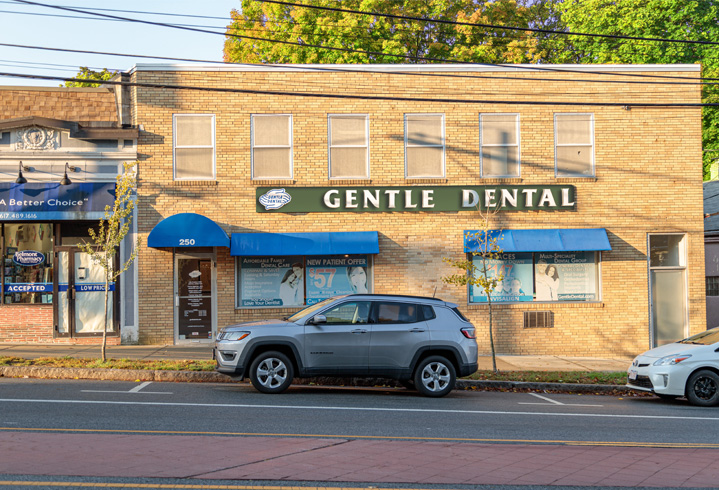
538,319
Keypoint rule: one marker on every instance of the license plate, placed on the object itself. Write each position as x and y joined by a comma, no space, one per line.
632,374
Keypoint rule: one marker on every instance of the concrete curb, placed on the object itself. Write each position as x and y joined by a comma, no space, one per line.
213,377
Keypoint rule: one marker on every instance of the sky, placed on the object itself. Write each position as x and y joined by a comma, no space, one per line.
30,25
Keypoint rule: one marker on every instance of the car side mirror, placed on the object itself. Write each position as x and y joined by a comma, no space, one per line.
319,319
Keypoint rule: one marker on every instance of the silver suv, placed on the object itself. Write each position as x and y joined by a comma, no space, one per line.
425,343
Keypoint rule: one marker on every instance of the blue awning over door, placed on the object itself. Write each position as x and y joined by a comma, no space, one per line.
553,240
187,230
279,244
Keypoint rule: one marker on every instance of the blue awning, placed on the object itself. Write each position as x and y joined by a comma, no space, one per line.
187,230
565,240
274,244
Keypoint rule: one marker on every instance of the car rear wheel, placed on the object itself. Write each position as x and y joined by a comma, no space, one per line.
703,388
271,372
435,376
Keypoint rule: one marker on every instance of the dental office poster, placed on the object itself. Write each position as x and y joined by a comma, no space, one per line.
334,275
516,285
272,281
576,274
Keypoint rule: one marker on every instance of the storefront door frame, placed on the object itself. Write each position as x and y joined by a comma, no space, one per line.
185,254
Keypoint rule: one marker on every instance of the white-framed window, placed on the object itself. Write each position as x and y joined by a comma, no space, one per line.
193,146
271,136
499,145
423,146
574,145
348,136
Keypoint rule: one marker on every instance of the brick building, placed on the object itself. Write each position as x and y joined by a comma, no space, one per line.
60,152
263,189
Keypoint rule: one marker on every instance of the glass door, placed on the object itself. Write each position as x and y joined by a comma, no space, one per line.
80,310
195,298
668,289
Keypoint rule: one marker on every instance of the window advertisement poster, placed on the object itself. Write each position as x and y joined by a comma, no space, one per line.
334,275
565,276
272,281
516,285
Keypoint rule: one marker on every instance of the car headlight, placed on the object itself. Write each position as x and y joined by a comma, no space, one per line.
233,336
671,360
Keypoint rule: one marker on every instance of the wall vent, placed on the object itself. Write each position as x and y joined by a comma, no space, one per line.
538,319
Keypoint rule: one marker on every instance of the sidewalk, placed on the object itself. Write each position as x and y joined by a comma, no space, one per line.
204,352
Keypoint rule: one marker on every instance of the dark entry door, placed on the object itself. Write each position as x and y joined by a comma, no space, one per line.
194,298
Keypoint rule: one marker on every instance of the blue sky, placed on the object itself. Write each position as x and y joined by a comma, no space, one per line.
19,24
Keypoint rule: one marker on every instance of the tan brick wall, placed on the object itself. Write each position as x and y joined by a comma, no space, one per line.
648,180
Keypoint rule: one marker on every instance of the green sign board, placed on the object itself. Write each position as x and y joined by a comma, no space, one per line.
412,199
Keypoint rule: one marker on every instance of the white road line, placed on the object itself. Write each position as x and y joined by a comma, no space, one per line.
360,409
136,389
555,402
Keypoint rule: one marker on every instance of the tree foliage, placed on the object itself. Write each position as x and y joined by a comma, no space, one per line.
696,20
112,230
87,74
480,276
375,39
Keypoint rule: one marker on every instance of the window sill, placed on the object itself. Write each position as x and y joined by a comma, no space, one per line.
357,181
194,183
531,305
501,180
272,182
426,180
570,180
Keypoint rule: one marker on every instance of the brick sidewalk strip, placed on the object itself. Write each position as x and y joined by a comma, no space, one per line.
343,460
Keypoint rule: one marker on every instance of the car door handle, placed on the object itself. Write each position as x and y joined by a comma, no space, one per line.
358,330
417,330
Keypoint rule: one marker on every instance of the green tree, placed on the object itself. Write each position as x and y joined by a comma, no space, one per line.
481,275
87,74
113,228
387,36
696,20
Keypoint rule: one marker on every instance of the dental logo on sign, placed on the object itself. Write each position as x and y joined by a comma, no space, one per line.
274,199
28,258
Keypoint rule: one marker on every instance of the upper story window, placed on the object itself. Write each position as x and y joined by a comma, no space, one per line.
574,145
499,145
271,146
193,137
348,146
424,145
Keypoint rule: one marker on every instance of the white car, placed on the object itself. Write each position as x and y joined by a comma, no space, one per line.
687,368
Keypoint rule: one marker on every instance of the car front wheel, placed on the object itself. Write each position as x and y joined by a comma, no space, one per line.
271,372
435,376
703,388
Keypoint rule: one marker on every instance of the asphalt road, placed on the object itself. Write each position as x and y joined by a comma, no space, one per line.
238,410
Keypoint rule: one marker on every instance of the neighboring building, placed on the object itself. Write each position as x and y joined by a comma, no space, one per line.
711,246
273,187
60,152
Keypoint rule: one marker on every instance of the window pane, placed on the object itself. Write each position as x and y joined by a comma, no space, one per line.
193,130
28,260
271,130
348,131
396,313
193,163
424,130
271,163
424,162
499,161
574,160
712,286
668,299
574,129
348,162
666,251
499,129
348,313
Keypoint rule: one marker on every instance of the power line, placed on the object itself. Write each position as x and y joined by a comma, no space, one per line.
194,16
365,97
489,26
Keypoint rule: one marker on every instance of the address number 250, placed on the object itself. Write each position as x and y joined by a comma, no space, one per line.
187,241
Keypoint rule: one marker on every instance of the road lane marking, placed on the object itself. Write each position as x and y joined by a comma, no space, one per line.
136,389
555,402
360,409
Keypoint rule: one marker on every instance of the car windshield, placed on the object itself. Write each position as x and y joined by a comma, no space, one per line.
705,338
310,309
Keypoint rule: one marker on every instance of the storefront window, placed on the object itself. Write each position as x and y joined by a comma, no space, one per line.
28,272
280,281
541,277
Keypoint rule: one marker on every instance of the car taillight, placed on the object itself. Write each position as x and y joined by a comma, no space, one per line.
469,333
